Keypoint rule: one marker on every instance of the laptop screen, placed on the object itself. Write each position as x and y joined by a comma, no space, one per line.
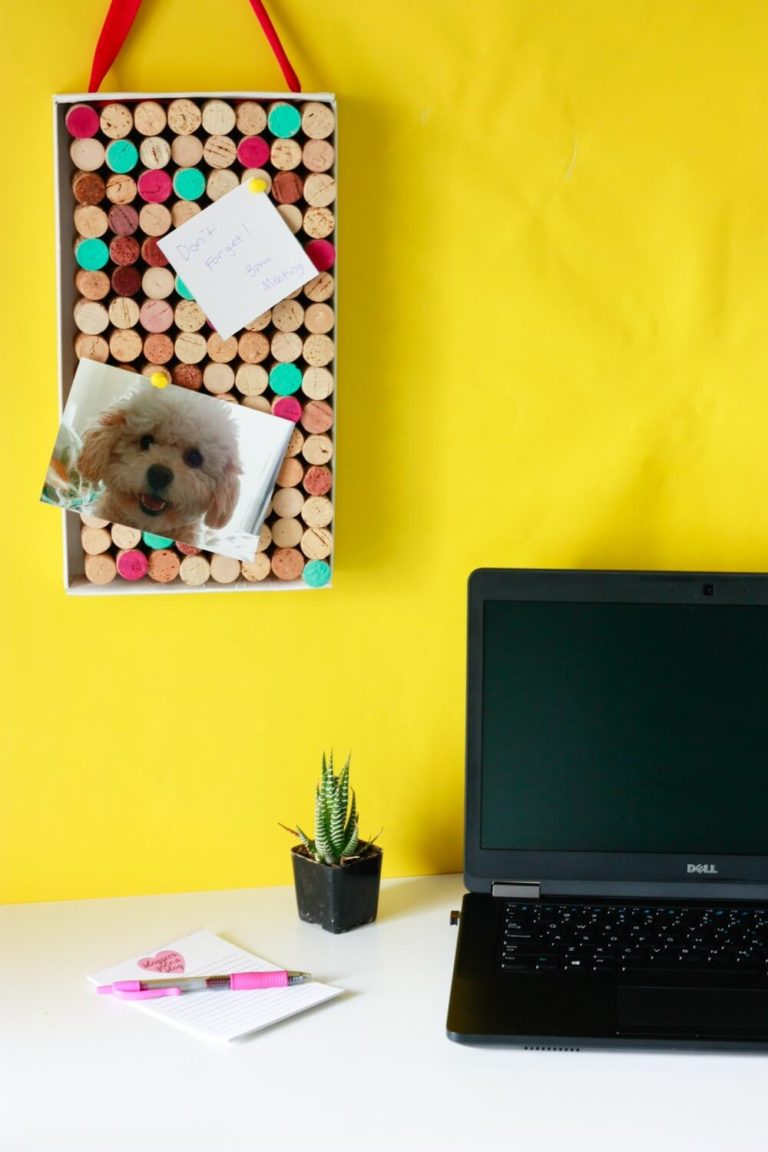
620,713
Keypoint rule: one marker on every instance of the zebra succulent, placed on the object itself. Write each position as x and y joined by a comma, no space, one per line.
336,820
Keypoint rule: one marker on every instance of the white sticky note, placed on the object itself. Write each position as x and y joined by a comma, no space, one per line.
238,258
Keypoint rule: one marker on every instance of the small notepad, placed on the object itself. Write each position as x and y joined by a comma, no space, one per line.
218,1015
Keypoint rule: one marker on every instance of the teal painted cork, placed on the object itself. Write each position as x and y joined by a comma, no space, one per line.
91,254
316,573
122,156
284,120
189,183
285,379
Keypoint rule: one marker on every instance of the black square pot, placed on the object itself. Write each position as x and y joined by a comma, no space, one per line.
338,898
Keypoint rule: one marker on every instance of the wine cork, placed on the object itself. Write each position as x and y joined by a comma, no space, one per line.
90,220
123,313
125,537
319,318
124,250
317,449
88,188
224,569
122,156
265,538
288,502
220,182
189,183
163,565
317,120
187,549
155,152
321,288
318,223
250,118
100,569
88,155
322,254
151,254
288,315
155,219
317,416
186,151
184,117
287,563
82,120
316,543
91,317
123,219
149,118
158,348
116,121
283,119
126,281
318,155
153,540
291,216
91,255
132,564
257,569
92,521
189,316
95,540
317,512
92,285
287,408
91,348
155,316
190,347
253,152
251,379
125,345
317,573
194,571
218,117
219,151
222,351
287,187
184,210
287,533
318,350
187,376
257,403
158,283
318,480
121,188
155,186
261,322
287,346
285,155
253,347
296,443
291,473
218,378
320,189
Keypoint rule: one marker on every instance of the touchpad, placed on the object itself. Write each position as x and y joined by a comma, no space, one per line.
644,1011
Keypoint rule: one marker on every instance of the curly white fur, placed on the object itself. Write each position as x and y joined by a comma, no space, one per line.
166,465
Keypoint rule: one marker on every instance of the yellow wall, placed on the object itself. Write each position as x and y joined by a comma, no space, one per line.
554,333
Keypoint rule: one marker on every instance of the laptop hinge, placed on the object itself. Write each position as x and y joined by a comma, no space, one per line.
516,890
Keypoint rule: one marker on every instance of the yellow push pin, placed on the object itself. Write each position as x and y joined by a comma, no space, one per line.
257,185
158,380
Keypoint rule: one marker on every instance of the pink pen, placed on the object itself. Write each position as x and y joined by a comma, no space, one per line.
175,985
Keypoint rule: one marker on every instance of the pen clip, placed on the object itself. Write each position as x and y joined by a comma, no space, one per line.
136,993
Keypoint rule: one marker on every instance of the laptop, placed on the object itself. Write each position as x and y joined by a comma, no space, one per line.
616,850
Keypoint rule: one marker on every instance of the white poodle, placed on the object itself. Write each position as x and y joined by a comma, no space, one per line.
167,458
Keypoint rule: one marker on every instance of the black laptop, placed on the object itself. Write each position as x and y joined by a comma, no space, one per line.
616,849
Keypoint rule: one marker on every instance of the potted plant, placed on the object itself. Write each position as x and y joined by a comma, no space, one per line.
336,874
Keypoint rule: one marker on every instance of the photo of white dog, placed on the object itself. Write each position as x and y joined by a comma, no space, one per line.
165,468
169,461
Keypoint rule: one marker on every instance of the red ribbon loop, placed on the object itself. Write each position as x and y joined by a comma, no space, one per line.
117,25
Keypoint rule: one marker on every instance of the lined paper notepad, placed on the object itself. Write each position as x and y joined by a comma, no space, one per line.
219,1015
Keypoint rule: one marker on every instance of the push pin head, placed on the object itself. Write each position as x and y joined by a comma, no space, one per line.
158,380
257,185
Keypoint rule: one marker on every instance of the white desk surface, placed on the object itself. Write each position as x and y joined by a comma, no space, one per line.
371,1070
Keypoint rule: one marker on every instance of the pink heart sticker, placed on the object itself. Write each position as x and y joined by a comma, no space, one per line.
168,961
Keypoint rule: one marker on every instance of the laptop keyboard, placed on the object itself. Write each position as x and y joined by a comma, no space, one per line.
608,937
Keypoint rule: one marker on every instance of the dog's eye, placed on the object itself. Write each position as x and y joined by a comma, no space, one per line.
193,458
145,442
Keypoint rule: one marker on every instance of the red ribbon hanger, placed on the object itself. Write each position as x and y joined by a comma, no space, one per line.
117,25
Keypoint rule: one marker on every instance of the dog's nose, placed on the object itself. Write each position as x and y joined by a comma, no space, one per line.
159,477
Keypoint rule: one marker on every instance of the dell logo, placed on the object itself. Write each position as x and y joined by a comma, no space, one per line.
708,869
